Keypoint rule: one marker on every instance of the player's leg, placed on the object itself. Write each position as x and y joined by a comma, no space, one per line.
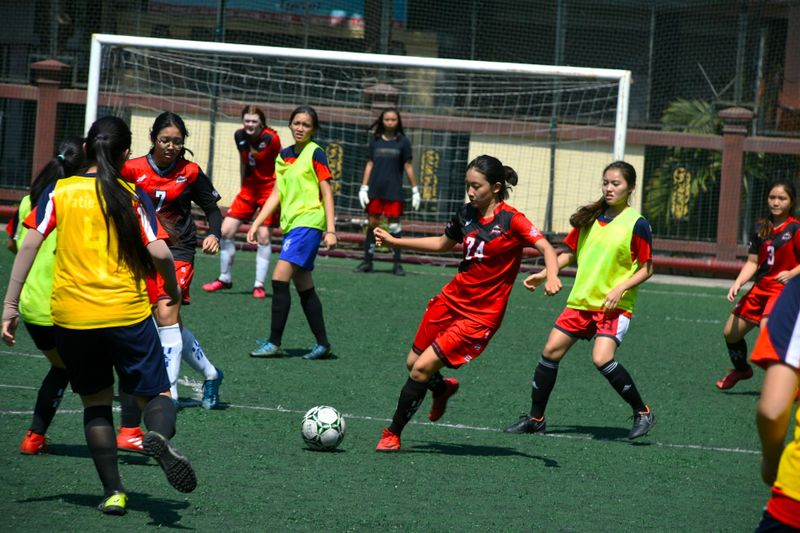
169,331
312,308
227,250
281,303
544,381
263,254
194,354
735,330
373,221
130,433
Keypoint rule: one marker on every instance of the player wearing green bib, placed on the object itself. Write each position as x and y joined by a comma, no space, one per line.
611,244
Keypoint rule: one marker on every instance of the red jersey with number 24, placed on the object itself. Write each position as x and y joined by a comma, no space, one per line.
778,252
491,259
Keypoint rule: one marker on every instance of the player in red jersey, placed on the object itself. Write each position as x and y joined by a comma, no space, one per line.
173,183
773,258
258,147
462,319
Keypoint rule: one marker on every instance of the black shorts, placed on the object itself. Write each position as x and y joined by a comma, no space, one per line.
44,337
91,355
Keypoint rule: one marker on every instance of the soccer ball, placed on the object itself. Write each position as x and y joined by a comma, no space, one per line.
322,428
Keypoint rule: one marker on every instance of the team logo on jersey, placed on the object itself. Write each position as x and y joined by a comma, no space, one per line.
181,179
786,236
141,178
262,145
496,230
534,232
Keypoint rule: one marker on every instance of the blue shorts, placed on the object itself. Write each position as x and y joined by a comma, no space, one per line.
300,247
91,355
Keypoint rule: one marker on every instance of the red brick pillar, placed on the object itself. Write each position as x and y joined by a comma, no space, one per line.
734,131
47,76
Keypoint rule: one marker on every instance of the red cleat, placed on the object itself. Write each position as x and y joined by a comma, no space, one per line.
33,444
216,285
733,377
440,402
259,292
130,439
389,442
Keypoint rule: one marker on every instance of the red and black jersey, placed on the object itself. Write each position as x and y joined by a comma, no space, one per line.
491,259
172,191
778,252
258,157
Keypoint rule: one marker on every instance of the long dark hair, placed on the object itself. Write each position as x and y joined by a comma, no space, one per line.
495,172
587,214
766,224
165,120
106,144
306,110
377,128
69,160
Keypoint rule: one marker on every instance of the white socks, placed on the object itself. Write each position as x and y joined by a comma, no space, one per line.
263,254
171,343
227,249
193,354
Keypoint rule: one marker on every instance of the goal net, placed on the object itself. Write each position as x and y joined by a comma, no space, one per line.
556,126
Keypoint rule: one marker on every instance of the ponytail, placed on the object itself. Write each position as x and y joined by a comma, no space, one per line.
68,161
495,172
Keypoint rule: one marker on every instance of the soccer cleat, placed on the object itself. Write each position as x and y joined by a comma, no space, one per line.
440,402
259,292
211,391
33,444
176,467
130,439
267,349
397,270
217,285
319,351
363,266
643,422
389,442
114,504
527,424
733,377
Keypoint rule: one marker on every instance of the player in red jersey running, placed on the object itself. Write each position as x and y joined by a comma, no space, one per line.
258,147
459,323
773,258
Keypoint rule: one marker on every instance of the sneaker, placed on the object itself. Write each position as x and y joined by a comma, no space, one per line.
363,266
319,351
259,292
733,377
440,402
397,270
267,349
114,504
389,442
217,285
643,421
33,444
177,468
130,439
527,424
211,391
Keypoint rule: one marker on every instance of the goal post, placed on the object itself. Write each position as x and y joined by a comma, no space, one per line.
557,126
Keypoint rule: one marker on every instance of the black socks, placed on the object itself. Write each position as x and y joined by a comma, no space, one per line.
738,354
622,382
312,307
48,399
544,379
410,399
98,427
281,302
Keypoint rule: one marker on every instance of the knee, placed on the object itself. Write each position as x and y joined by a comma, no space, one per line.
552,352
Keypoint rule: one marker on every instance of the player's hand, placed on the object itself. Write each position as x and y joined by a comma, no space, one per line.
612,299
251,234
382,237
534,280
783,277
415,198
210,245
734,290
552,286
768,472
363,196
10,330
175,296
330,240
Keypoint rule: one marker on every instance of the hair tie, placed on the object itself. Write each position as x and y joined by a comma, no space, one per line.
60,156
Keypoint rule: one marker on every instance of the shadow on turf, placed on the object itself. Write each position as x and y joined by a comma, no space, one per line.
477,450
163,513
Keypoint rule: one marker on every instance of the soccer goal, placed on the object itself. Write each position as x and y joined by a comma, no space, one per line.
556,126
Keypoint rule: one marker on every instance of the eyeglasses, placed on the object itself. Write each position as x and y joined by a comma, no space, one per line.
174,142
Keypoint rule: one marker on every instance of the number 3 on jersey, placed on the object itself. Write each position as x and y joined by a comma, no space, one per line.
474,249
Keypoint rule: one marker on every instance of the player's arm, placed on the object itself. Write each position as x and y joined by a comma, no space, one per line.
641,249
266,210
748,270
550,273
442,243
19,273
642,274
773,415
206,196
165,266
329,235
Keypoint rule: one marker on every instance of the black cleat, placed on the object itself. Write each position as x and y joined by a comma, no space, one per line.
397,270
643,422
363,266
177,468
527,424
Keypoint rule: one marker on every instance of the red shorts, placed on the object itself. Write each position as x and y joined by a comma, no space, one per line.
586,325
756,305
248,202
455,338
389,208
763,353
184,272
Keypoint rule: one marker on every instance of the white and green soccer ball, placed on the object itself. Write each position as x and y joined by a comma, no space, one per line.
322,428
